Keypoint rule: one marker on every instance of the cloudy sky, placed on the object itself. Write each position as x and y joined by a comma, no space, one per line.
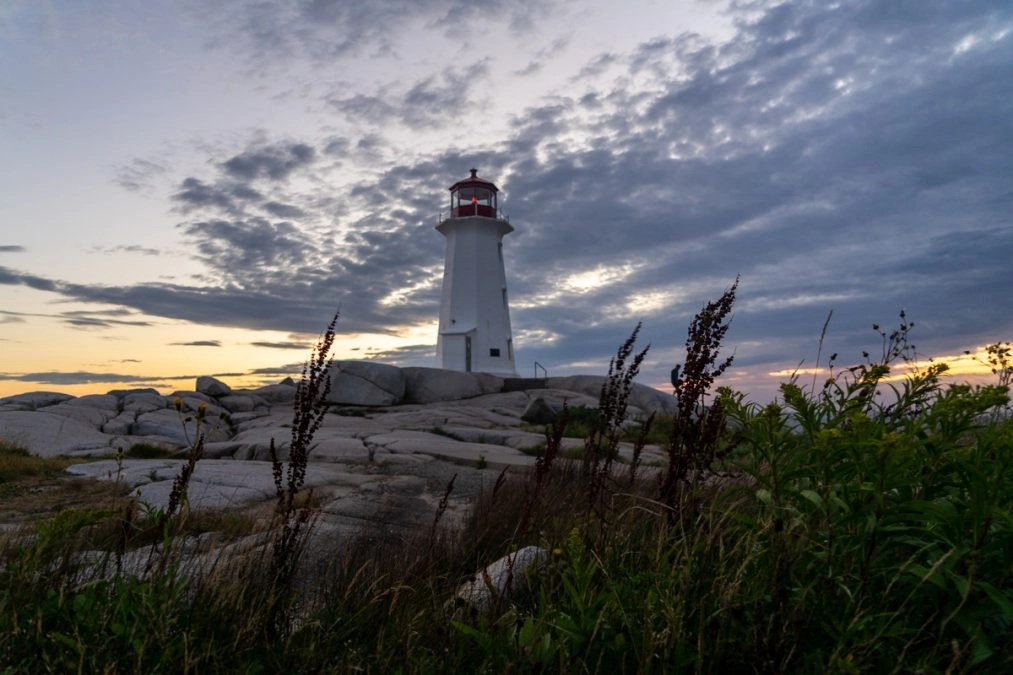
193,188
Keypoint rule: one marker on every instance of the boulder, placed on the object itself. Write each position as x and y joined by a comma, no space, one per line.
212,387
500,581
240,418
432,385
191,395
490,384
650,399
539,411
283,392
241,402
144,401
121,424
641,396
47,435
583,384
169,424
33,400
190,404
365,383
93,417
121,393
100,401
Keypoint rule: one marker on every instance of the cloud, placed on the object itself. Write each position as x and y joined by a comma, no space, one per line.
12,249
127,248
197,343
280,210
324,31
284,345
290,370
245,183
77,319
84,377
139,175
423,105
195,194
12,277
544,56
274,162
88,319
242,250
410,355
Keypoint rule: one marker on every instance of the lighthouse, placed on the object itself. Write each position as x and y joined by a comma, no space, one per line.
474,312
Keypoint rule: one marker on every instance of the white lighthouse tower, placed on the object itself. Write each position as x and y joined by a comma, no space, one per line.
474,314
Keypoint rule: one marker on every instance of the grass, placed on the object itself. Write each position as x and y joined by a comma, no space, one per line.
581,419
858,526
16,464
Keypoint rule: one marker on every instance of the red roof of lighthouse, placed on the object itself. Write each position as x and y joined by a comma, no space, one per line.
474,181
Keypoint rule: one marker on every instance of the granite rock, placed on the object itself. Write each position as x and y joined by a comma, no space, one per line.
365,383
212,387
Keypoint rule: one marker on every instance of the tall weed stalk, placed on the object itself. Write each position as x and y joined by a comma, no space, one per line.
309,410
693,444
601,447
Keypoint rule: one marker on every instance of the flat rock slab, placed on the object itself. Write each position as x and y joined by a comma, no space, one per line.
378,461
476,454
48,435
216,483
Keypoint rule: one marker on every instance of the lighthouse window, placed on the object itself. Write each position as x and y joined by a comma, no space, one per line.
474,196
494,352
504,298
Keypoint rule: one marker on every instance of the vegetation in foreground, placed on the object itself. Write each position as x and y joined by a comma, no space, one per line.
861,526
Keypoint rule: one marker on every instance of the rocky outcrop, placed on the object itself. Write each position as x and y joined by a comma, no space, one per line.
431,385
366,383
52,424
391,425
643,397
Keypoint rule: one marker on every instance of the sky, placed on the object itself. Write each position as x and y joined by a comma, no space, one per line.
192,188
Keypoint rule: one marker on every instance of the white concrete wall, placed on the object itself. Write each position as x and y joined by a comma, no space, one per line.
474,300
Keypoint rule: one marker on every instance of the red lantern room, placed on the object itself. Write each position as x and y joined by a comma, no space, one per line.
473,197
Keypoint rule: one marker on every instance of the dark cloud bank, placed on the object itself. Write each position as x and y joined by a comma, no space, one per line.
857,159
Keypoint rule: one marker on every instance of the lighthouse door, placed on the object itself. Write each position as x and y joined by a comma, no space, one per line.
467,353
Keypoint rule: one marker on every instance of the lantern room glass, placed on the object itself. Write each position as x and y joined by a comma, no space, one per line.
473,201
